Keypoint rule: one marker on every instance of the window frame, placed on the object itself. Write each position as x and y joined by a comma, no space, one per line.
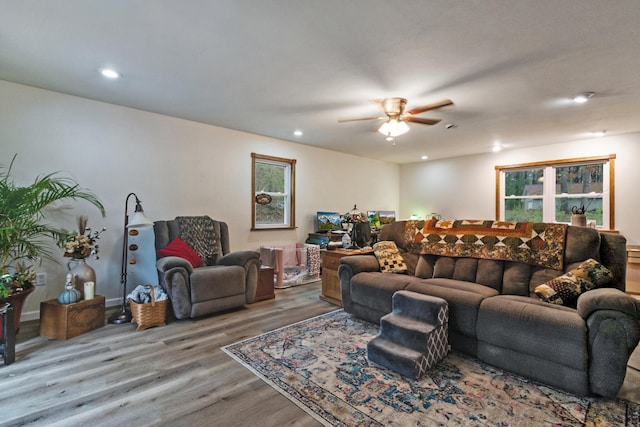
289,193
549,195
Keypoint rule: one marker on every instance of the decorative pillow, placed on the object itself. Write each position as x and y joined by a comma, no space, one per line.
180,248
389,257
566,289
593,273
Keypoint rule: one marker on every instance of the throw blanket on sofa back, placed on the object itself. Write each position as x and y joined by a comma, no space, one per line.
534,243
201,233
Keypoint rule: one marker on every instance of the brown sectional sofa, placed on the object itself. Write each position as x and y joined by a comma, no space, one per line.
494,314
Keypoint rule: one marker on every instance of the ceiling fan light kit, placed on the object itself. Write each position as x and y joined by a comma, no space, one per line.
583,97
396,117
394,127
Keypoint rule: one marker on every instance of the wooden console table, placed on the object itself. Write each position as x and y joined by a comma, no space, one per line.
330,281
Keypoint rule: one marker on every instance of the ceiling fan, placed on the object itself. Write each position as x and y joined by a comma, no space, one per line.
396,117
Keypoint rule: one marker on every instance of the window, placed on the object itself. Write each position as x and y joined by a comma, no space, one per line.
550,191
273,191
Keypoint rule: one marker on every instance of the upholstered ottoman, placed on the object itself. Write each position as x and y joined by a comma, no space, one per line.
414,336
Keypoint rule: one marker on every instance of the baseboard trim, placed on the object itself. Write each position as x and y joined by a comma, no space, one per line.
35,314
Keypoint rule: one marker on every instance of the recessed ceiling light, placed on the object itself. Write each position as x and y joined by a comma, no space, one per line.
598,134
110,73
583,97
424,157
496,148
297,133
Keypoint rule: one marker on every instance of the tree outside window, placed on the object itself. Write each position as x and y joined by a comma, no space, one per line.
273,192
552,191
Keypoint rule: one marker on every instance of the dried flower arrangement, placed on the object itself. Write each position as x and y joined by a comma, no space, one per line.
82,244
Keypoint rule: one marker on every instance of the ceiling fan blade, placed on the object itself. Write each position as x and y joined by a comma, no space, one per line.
357,120
433,106
423,120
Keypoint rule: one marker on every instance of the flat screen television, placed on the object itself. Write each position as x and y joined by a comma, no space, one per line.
328,221
379,218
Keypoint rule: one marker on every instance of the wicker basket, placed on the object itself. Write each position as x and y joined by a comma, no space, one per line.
149,315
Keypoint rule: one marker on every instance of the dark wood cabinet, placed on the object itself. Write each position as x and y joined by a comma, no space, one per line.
265,284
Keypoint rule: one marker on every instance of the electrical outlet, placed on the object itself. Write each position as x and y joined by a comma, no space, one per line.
41,279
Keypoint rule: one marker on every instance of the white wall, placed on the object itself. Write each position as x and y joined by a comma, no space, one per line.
176,167
465,187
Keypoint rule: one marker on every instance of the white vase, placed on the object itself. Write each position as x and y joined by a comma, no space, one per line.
81,272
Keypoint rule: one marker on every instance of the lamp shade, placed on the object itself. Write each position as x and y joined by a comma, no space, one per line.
139,220
394,127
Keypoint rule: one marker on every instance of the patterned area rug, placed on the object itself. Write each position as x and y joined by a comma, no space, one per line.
321,365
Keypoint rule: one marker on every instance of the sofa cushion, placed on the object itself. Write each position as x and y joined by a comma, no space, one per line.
411,260
180,248
566,289
490,273
486,272
466,269
424,267
581,243
375,290
389,257
529,326
464,299
515,280
225,282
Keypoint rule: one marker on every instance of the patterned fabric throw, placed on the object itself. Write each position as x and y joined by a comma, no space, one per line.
201,234
534,243
313,259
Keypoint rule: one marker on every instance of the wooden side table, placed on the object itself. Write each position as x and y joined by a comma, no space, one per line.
265,284
331,291
64,321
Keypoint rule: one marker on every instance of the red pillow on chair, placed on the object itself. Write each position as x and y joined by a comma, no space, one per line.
180,248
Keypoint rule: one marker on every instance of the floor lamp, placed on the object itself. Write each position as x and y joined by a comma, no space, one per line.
139,220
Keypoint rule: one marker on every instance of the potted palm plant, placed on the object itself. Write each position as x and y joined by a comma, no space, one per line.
25,238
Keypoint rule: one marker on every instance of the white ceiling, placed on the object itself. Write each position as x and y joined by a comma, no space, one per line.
272,66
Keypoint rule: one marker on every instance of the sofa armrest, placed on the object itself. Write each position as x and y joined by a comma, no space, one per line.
349,267
607,299
174,277
355,264
169,262
613,333
250,261
240,258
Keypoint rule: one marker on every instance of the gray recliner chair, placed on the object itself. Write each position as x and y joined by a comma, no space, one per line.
224,280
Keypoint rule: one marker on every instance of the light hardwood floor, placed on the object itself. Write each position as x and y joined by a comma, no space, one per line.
175,375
